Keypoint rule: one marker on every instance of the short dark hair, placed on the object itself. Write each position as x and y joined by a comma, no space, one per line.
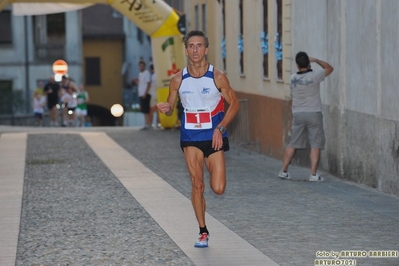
302,60
142,62
196,33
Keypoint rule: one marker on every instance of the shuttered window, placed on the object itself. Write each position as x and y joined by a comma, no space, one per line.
5,27
93,71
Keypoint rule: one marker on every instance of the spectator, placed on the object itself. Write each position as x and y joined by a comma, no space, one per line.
66,84
52,91
39,89
39,102
81,108
307,124
144,84
69,100
154,98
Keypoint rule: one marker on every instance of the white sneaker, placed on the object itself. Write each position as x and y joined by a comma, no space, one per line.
316,178
284,175
202,241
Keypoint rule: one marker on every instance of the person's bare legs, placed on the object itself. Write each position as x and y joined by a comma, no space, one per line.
216,166
64,115
151,115
147,120
71,119
314,160
195,163
288,154
53,115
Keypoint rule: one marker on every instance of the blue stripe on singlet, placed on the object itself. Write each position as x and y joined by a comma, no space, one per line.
209,74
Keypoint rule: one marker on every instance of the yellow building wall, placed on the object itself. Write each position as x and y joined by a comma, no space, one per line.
252,80
110,53
269,110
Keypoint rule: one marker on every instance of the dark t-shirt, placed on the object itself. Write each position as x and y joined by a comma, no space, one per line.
52,97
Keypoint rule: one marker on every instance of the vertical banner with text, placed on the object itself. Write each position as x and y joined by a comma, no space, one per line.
157,19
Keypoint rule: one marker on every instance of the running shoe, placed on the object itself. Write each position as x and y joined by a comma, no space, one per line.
316,178
284,175
202,241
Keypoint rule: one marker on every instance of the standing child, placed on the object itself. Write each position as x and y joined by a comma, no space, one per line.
39,101
81,109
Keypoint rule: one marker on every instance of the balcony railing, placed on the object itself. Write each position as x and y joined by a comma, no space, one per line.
49,52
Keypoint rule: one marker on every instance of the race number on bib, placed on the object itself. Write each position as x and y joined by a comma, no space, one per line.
198,118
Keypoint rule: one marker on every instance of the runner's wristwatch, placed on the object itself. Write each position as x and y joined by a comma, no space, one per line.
221,129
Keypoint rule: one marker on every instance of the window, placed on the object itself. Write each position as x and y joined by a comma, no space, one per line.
5,27
241,37
49,37
140,35
279,40
203,17
56,24
6,97
177,4
265,42
93,71
196,11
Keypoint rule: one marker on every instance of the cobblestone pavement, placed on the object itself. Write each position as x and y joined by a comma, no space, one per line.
75,212
287,220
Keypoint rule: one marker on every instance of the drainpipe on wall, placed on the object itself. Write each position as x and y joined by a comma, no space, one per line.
27,92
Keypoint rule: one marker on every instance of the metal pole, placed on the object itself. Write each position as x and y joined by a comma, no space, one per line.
27,91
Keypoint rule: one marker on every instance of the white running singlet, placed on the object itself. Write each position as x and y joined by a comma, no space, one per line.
203,106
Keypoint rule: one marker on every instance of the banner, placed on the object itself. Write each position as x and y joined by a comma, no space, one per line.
148,15
32,9
168,54
159,20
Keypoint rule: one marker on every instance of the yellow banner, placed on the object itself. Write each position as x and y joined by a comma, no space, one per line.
169,58
148,15
62,1
157,19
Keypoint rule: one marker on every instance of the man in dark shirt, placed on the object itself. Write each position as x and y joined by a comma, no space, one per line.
52,91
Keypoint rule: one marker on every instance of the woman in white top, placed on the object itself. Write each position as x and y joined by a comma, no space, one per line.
69,98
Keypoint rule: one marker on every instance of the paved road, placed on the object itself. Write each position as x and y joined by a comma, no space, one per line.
120,196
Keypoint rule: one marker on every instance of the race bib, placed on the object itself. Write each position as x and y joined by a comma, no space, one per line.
198,118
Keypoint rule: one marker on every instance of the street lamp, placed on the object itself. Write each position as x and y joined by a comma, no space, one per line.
117,111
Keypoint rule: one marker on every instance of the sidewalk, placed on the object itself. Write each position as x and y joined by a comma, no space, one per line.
122,198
